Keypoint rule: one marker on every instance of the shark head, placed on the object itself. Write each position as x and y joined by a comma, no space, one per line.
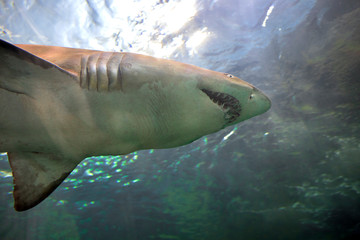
236,99
187,102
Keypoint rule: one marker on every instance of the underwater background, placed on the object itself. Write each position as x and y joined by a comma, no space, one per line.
291,173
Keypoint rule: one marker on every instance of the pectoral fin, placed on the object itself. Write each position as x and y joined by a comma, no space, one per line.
36,176
25,73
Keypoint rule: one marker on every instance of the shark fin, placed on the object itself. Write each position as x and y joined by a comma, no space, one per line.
68,59
36,176
25,73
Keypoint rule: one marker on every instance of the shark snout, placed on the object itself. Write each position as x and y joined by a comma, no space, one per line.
263,103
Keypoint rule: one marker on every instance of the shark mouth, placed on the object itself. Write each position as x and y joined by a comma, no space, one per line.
230,105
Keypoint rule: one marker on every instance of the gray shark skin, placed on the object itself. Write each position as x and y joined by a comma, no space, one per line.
60,105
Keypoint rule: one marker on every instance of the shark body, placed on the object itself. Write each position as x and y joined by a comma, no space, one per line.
60,105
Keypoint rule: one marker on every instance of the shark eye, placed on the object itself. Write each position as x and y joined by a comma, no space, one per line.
229,75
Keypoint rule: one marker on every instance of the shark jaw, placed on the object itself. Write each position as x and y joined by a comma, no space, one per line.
228,104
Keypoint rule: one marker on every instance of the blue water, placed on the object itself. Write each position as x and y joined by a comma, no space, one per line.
291,173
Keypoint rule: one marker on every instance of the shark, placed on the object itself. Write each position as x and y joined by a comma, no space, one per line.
61,105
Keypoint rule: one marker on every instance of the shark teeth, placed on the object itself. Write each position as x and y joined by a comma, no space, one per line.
229,104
